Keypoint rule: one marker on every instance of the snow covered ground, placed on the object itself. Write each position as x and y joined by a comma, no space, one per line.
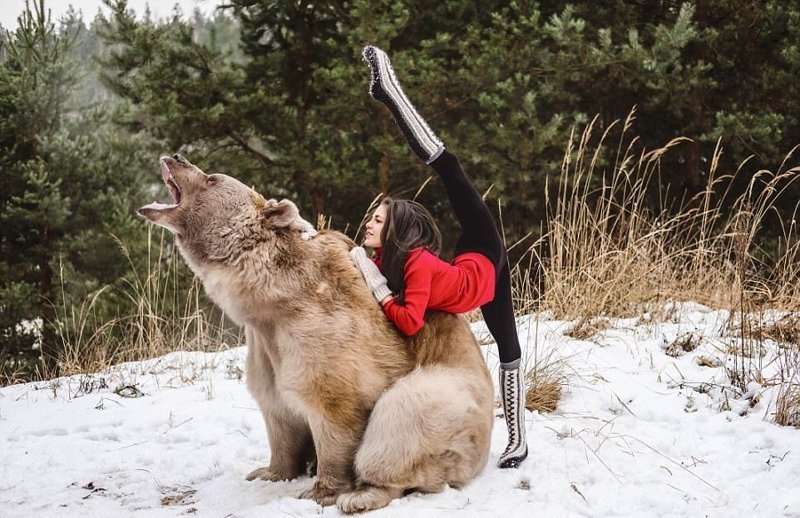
638,433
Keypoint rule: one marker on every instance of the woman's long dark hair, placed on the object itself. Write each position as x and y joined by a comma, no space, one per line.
408,225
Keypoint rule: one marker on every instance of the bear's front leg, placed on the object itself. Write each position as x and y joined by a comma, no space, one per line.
290,441
336,447
291,446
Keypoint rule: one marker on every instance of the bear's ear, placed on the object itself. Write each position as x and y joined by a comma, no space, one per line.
279,214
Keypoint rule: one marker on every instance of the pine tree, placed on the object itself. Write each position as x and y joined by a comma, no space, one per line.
502,83
68,184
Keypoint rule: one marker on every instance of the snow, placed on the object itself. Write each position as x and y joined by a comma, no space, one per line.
638,433
34,327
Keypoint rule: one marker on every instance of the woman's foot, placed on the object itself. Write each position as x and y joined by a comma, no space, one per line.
513,396
385,88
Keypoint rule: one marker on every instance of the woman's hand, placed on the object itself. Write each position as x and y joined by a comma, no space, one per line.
375,279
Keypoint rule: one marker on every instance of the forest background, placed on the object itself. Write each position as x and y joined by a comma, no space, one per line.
275,94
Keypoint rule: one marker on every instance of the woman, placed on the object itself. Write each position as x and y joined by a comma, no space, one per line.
407,242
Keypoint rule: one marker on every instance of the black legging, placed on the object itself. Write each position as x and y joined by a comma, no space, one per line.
479,234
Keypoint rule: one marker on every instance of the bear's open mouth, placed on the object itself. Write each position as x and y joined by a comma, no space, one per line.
173,188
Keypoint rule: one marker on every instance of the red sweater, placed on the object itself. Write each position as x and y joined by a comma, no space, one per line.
457,287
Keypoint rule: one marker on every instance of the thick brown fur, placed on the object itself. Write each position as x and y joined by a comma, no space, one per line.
382,413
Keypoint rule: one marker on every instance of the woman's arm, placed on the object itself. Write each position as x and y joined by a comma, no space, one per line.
409,316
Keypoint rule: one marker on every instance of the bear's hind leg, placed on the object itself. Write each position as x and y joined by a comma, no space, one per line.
367,498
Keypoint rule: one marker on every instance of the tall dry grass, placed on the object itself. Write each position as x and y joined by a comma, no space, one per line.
606,252
609,253
787,401
166,317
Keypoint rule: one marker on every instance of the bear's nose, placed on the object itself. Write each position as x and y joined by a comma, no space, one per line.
178,158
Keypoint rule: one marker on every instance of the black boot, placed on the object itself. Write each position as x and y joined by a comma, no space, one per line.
385,88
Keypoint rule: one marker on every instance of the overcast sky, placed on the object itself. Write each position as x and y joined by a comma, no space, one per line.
11,9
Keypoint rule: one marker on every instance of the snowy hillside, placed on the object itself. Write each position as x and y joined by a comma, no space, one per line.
638,433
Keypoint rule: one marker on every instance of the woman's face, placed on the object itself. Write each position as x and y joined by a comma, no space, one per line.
372,238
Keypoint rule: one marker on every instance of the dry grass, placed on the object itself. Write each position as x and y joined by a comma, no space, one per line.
9,376
785,330
160,323
787,404
547,373
609,254
546,380
685,343
173,496
544,385
585,328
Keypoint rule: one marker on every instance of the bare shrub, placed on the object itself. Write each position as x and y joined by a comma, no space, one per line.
787,408
787,403
585,328
545,384
685,343
785,330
